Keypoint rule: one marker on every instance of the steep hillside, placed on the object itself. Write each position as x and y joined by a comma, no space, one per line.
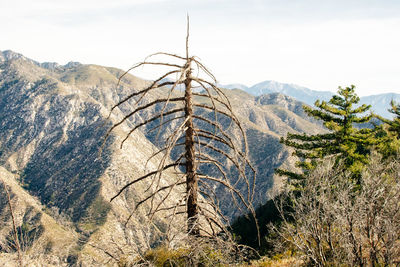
52,124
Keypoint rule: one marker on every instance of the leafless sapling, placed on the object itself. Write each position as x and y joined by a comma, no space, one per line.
14,228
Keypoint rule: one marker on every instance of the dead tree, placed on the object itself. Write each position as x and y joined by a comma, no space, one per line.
191,111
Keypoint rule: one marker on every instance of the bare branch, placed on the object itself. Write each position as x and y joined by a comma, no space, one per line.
151,196
139,109
153,119
143,177
205,69
154,85
165,54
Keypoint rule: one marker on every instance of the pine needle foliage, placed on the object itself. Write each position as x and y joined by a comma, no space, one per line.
345,141
389,132
395,123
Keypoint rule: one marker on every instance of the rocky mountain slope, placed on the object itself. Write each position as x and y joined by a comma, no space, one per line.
52,124
380,103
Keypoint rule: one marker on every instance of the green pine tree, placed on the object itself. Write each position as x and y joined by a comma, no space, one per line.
343,141
389,132
395,123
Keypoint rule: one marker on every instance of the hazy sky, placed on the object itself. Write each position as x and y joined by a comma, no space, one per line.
319,44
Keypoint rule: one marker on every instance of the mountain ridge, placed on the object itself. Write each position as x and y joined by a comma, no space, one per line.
380,102
8,55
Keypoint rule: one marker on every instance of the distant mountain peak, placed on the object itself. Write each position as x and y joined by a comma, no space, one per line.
55,65
270,86
235,86
9,55
272,98
72,64
50,65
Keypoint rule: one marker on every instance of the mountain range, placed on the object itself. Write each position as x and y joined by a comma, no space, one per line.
380,103
60,175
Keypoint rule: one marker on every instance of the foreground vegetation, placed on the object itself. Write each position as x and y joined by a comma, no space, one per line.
342,208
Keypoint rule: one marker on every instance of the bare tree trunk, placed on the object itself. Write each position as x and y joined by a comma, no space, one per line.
191,176
16,239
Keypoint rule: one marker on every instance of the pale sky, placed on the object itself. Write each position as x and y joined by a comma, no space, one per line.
319,44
